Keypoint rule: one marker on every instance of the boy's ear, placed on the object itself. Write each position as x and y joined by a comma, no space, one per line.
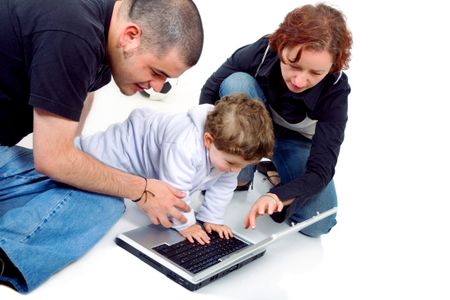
130,38
208,139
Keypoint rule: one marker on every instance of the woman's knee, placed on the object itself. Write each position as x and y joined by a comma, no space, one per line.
241,82
317,229
320,228
326,200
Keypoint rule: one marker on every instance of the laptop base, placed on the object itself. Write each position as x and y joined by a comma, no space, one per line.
177,278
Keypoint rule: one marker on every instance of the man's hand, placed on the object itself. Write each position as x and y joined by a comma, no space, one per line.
266,204
195,233
162,202
223,230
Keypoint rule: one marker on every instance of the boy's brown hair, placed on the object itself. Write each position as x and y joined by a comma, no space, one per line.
241,126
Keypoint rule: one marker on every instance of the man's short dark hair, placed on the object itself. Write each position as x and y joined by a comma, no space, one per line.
168,24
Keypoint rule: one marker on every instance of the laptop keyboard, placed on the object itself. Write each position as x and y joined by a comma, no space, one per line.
196,257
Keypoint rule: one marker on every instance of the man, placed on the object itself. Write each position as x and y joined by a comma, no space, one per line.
52,55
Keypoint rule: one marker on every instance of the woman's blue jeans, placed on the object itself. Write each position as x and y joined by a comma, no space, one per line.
289,157
45,225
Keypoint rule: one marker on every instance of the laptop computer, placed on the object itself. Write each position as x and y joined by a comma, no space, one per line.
193,265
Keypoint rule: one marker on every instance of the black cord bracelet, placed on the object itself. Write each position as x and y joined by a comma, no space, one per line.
143,193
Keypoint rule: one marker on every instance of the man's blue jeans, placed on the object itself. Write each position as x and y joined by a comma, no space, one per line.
45,225
289,157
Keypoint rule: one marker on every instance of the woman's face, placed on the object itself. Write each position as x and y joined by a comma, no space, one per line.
308,71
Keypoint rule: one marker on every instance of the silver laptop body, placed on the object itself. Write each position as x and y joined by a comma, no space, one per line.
142,242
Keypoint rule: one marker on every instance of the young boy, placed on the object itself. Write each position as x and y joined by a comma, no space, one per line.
202,149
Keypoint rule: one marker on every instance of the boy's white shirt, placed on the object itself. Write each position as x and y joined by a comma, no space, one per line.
169,147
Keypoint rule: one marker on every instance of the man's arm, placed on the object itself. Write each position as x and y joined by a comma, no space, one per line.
87,106
56,156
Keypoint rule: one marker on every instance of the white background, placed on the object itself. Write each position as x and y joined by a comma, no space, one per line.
392,237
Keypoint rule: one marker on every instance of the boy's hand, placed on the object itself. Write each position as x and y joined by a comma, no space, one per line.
266,204
223,230
195,233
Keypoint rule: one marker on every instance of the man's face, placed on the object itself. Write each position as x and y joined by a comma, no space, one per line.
134,69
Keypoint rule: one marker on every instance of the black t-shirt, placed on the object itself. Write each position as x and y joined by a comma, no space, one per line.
52,54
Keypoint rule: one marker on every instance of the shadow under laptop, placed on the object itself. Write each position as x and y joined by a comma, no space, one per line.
288,260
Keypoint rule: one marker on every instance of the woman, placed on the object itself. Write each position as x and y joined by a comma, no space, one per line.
297,73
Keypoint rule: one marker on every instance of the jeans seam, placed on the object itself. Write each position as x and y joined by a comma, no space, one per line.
47,218
2,268
18,177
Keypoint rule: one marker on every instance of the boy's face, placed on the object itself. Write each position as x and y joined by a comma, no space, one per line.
223,161
226,162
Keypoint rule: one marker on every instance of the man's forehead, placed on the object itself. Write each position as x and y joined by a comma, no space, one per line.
169,64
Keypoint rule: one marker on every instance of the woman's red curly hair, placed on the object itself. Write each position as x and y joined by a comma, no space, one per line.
318,28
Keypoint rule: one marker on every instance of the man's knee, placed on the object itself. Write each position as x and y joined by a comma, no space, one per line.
112,207
98,211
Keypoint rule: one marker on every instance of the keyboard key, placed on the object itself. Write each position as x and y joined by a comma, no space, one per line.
196,257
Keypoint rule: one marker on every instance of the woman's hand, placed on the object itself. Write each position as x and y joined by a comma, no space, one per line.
266,204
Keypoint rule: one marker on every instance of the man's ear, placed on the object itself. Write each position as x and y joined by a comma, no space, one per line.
208,139
130,38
